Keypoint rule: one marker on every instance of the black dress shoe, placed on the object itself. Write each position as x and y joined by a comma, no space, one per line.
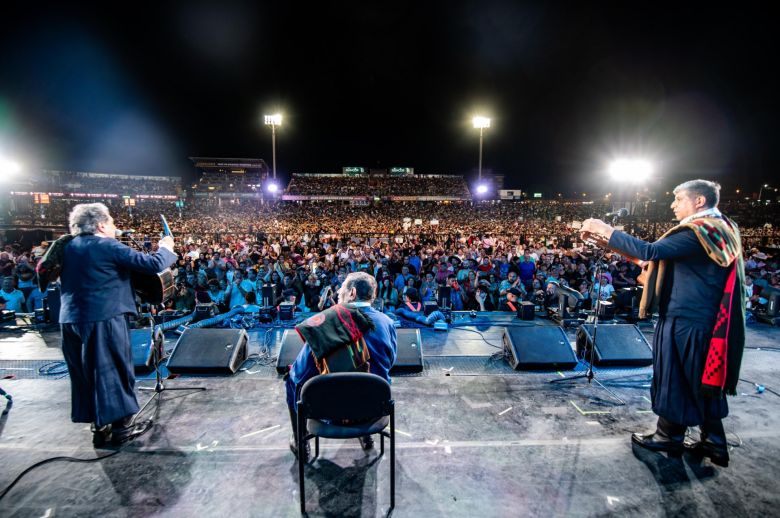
123,434
294,448
366,442
718,455
658,441
100,436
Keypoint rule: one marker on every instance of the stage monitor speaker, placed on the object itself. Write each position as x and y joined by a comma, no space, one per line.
291,346
409,355
286,311
143,359
616,344
526,310
538,347
209,351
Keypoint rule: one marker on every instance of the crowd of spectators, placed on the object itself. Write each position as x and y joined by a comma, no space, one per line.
77,182
481,251
379,185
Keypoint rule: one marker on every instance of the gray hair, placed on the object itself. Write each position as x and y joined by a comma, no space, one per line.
85,217
710,191
364,284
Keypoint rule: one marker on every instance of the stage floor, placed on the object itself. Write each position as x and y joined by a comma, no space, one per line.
473,438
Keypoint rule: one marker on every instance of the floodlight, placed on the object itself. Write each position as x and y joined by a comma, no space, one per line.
482,188
273,120
481,122
272,188
8,168
633,170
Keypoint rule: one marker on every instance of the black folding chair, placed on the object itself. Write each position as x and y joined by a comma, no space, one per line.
345,405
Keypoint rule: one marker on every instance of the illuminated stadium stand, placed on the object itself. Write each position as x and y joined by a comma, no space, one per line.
383,184
229,176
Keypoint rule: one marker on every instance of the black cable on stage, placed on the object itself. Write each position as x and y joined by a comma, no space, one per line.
46,461
480,335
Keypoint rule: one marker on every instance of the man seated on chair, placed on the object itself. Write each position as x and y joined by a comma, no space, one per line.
366,335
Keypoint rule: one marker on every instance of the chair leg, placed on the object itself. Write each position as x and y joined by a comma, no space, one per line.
316,446
301,448
392,458
381,443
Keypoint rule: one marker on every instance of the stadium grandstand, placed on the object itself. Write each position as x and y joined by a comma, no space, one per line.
397,187
229,175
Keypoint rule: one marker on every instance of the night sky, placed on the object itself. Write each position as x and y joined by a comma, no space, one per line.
138,87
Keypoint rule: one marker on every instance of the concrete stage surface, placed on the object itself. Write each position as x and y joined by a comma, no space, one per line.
474,438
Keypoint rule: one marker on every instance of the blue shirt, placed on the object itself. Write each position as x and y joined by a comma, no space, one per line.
382,344
14,300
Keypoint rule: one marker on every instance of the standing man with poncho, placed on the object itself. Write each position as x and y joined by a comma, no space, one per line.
695,283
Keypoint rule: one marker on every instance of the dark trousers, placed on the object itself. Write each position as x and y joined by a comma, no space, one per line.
100,362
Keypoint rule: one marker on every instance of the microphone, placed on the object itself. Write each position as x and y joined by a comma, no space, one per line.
622,213
120,233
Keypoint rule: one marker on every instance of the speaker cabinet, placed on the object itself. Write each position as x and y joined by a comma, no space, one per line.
538,347
526,310
616,344
409,357
292,343
209,351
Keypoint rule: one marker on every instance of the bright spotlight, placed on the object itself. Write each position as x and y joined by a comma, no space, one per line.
8,168
272,188
482,189
633,170
273,120
481,122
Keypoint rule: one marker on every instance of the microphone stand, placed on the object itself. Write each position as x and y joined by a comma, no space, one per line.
156,342
589,374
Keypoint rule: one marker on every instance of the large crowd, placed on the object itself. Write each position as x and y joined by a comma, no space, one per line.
480,250
379,185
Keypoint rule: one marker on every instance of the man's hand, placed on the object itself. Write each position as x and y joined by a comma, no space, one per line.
597,227
166,242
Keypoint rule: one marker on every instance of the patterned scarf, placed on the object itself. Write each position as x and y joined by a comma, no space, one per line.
719,236
335,337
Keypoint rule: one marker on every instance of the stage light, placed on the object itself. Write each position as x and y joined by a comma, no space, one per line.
633,170
8,168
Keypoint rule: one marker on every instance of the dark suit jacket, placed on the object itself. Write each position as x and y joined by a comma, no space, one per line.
694,284
96,277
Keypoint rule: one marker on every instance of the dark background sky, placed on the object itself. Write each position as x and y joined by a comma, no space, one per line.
137,88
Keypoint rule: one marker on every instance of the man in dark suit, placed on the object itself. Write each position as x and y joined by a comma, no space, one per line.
695,279
96,300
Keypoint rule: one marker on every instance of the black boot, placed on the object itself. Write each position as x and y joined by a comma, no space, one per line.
668,437
294,437
712,443
101,435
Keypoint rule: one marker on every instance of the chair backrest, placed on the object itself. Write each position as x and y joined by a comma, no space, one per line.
345,395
